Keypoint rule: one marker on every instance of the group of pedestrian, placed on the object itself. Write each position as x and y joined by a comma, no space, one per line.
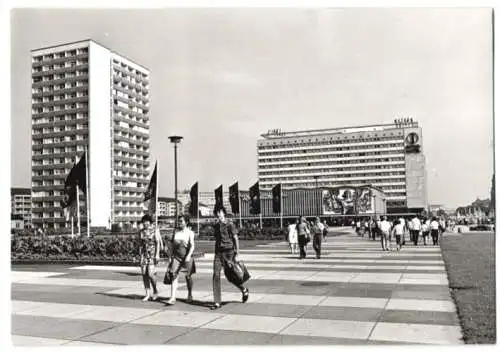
180,250
300,234
416,228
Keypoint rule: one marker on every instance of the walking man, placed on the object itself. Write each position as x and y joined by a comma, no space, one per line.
226,249
416,227
385,229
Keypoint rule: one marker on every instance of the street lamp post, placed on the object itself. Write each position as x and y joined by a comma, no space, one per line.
175,140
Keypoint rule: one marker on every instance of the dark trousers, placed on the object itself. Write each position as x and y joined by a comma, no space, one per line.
220,259
302,245
414,236
317,245
435,236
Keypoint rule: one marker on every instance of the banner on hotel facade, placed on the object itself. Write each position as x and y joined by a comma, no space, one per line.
347,201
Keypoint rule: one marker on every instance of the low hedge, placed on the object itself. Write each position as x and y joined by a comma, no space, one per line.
207,233
123,249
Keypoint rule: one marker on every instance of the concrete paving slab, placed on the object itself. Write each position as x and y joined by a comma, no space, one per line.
179,318
131,334
328,328
266,324
204,336
421,305
30,341
58,328
433,334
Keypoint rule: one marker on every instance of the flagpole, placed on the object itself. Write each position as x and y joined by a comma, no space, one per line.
239,208
260,211
78,211
87,201
156,194
281,206
198,208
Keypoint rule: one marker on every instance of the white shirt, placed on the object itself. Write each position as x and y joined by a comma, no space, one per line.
434,225
416,225
385,226
399,229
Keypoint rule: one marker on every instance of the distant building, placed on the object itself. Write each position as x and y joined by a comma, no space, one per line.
386,156
16,222
166,207
20,204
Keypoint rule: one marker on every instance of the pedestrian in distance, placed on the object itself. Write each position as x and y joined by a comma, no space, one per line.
385,229
227,248
398,231
317,231
434,231
425,230
303,236
150,245
416,227
182,258
292,236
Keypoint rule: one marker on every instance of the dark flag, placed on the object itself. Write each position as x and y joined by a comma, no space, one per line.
193,207
218,199
277,199
150,193
234,198
151,190
255,199
77,177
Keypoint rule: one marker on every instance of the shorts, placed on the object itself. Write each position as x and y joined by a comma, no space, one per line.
398,239
177,265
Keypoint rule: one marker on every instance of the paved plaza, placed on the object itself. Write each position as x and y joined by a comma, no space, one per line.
355,294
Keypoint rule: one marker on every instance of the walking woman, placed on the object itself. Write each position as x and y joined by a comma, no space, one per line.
227,247
434,231
317,231
182,258
150,244
292,236
303,236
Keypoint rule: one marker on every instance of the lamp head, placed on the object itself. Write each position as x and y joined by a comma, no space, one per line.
175,139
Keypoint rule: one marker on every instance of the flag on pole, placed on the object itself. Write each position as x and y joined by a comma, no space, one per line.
219,203
193,207
75,178
150,193
255,199
277,198
234,198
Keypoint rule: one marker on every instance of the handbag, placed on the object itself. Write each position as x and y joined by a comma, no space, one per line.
236,272
168,277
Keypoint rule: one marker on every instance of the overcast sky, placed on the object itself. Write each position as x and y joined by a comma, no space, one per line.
221,77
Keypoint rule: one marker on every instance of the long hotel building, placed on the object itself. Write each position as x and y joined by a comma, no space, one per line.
86,96
388,156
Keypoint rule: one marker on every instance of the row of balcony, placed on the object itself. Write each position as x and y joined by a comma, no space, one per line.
118,117
60,60
117,148
84,132
132,93
84,78
60,112
131,103
54,103
60,71
41,146
59,91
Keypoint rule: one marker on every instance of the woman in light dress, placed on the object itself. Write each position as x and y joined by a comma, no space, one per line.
292,237
182,258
